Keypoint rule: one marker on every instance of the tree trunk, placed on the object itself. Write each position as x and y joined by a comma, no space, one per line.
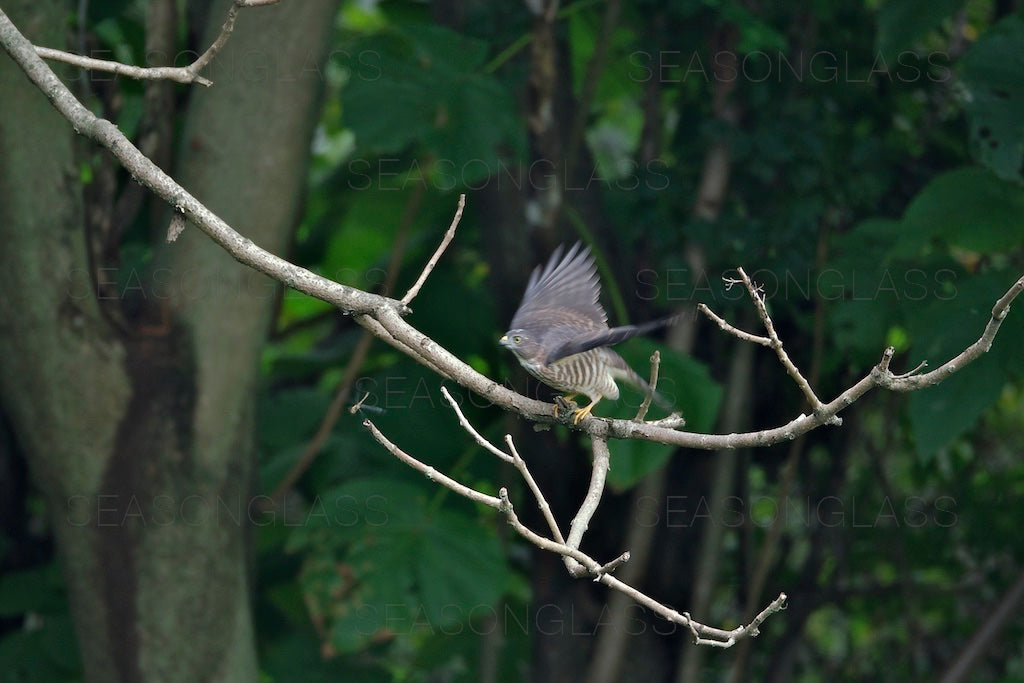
139,433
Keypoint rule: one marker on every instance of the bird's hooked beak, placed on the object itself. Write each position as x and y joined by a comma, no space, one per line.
504,340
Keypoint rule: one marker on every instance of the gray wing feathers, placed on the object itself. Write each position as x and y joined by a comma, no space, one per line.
606,337
567,287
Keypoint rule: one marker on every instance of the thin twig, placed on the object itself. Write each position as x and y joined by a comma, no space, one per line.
542,502
178,74
465,424
358,405
911,381
609,567
653,384
758,297
431,473
736,332
707,635
513,458
355,362
225,33
415,289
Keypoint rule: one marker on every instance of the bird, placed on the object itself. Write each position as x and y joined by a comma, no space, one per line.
560,332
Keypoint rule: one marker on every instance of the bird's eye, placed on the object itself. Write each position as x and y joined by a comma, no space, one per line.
516,339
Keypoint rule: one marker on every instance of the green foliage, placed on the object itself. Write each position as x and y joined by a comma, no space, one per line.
43,649
902,23
429,79
942,329
933,309
993,74
970,209
380,564
852,196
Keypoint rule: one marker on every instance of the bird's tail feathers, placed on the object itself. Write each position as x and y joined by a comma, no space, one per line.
629,375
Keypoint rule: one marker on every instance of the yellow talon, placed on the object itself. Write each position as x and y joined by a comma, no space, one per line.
583,412
563,399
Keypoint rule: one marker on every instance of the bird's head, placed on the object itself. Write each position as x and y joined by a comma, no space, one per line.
520,343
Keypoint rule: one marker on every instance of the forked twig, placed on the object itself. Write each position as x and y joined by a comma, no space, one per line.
513,458
705,635
772,340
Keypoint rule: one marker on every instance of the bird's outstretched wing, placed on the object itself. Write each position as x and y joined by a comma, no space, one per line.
606,337
563,293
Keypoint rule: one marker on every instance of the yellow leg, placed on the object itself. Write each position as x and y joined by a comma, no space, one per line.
583,412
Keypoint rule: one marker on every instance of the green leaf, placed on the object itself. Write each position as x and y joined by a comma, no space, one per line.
969,208
993,73
902,22
404,569
386,114
39,589
941,413
459,567
633,459
297,657
359,247
430,90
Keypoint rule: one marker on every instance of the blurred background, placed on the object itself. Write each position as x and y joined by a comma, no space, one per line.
185,494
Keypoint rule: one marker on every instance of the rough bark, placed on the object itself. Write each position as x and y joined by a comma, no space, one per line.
139,434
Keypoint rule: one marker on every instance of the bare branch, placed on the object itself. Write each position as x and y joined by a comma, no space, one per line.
542,502
513,458
705,635
225,32
580,523
758,297
178,74
383,315
415,289
430,473
736,332
653,384
911,381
